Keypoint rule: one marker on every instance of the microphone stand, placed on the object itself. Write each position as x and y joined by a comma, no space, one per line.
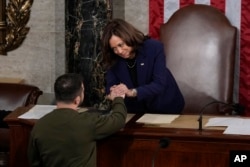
201,113
163,143
237,107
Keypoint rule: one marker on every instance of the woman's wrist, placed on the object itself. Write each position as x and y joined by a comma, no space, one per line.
133,92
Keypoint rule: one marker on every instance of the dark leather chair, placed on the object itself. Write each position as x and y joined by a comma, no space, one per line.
13,96
200,43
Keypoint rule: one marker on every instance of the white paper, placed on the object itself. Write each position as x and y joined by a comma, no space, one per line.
38,111
157,118
235,125
223,121
237,130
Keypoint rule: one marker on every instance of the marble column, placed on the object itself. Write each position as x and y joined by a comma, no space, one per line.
85,20
2,27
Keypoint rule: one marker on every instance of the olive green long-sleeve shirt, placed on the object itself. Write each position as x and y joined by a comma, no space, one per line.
66,138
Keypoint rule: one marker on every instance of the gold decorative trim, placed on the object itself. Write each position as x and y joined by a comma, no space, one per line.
18,14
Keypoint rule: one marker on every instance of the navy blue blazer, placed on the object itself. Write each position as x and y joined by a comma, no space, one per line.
157,90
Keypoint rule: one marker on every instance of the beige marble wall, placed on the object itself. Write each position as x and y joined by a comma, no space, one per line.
136,12
118,8
133,11
41,58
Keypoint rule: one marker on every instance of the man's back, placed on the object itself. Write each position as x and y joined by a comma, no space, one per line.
65,137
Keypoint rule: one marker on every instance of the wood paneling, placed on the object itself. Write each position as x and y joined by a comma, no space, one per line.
137,145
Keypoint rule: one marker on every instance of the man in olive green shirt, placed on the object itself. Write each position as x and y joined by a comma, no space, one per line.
66,137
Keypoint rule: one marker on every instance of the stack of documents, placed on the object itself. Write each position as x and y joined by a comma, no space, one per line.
157,118
235,125
38,111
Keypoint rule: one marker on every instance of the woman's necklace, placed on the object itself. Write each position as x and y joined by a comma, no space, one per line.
131,63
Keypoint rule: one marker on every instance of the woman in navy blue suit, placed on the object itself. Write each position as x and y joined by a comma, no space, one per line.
136,66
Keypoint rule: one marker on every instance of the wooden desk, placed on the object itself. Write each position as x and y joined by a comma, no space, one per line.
136,144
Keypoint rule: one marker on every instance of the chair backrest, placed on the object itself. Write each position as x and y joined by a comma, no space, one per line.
17,95
200,43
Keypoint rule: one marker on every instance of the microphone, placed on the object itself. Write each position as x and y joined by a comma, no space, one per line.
239,109
163,143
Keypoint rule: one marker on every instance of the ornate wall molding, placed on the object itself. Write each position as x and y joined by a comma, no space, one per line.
13,21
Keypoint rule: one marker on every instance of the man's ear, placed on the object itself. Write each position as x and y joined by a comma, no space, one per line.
77,100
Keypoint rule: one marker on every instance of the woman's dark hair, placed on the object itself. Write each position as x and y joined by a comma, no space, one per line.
67,87
128,33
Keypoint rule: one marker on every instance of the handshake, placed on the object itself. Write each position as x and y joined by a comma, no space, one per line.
121,90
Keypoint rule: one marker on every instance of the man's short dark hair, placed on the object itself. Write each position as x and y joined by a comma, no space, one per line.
67,87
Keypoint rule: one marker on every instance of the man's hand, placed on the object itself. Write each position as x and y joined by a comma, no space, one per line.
115,91
123,89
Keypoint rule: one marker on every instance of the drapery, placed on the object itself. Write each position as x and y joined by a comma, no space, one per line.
238,13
